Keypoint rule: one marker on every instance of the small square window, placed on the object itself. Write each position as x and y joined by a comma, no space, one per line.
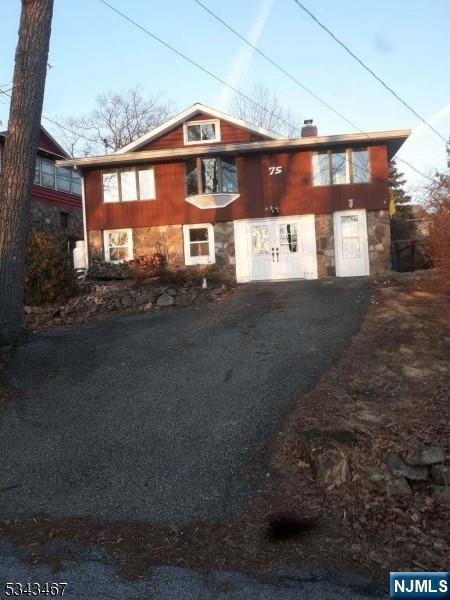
202,132
118,245
199,244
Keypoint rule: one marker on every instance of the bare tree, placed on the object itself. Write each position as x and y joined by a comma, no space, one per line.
16,177
117,119
265,110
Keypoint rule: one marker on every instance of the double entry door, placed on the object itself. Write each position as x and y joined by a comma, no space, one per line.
282,248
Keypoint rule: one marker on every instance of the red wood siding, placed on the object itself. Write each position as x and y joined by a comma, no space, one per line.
292,192
229,134
51,196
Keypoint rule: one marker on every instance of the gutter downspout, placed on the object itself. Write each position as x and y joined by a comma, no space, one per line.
83,201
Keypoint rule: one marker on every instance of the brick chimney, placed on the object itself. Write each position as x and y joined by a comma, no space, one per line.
308,129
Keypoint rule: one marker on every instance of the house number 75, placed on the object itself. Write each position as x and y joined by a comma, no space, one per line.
275,170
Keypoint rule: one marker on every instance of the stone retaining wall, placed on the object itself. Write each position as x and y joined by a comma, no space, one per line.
379,238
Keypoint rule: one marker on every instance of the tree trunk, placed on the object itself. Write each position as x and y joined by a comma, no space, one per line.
17,174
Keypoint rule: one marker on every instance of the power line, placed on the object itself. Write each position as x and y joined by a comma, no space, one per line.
188,59
5,93
275,64
367,68
296,80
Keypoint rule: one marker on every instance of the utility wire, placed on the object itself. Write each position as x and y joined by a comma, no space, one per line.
5,93
368,69
275,64
297,81
190,60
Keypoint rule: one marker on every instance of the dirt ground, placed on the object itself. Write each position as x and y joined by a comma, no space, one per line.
388,392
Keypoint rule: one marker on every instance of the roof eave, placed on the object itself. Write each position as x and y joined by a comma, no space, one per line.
393,139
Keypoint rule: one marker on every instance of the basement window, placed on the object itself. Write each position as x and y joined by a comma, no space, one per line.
118,244
198,244
202,132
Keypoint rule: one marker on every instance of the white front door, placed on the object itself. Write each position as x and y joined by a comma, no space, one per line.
276,248
351,247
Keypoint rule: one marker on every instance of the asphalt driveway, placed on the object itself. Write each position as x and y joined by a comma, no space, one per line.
164,416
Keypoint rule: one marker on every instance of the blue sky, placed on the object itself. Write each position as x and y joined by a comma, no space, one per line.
405,41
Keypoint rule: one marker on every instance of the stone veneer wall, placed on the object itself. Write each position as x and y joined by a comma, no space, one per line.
326,266
224,243
47,217
379,238
168,241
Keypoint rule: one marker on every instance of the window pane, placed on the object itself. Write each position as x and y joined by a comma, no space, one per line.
198,234
146,184
208,131
210,181
48,167
128,184
229,175
260,240
193,133
200,249
118,238
191,177
63,184
75,176
76,187
288,238
110,187
63,172
118,254
48,180
360,166
321,175
339,167
37,175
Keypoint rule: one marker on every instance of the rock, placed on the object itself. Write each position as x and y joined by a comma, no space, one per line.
398,486
148,306
423,456
331,468
376,477
165,300
183,300
160,290
171,292
126,301
326,452
415,372
442,494
441,473
397,466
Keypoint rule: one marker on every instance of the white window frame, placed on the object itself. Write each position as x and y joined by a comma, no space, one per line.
348,167
216,122
106,233
136,171
199,260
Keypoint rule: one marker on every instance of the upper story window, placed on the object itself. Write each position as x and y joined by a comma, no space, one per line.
211,175
60,178
334,167
202,132
128,184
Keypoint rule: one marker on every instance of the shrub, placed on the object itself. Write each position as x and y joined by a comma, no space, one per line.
49,276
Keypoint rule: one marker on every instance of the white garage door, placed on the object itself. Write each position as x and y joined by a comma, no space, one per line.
276,248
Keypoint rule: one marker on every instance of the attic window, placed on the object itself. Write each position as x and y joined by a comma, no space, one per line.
202,132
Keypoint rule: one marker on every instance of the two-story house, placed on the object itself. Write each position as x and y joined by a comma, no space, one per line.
56,192
206,187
